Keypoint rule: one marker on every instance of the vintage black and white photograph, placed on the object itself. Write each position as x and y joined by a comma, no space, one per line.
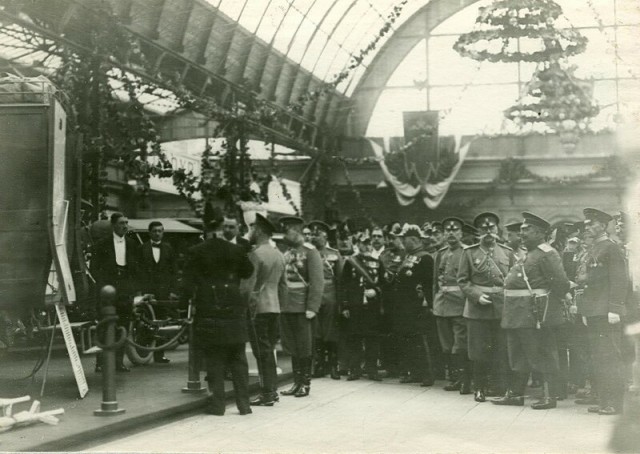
320,226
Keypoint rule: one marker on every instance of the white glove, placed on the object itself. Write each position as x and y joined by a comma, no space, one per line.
484,300
613,318
573,309
346,313
310,314
370,293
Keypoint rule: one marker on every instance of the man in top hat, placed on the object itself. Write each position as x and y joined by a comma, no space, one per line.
481,275
602,306
448,306
267,287
326,332
361,306
305,286
534,289
391,259
410,303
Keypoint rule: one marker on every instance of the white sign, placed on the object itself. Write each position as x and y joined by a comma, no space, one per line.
72,349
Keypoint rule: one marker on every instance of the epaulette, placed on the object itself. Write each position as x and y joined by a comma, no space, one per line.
464,246
442,249
505,246
331,249
308,245
545,247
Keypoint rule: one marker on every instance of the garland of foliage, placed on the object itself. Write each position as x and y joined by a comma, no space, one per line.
505,22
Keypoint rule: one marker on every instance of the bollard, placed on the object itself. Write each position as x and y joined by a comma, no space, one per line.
109,405
193,380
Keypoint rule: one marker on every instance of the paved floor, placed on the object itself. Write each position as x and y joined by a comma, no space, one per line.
364,416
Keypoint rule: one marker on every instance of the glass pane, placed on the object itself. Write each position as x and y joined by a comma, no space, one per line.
604,93
628,52
587,13
253,12
301,38
327,58
462,21
273,17
463,117
386,120
447,67
232,8
287,29
628,12
353,83
338,64
599,59
630,95
413,68
355,17
315,48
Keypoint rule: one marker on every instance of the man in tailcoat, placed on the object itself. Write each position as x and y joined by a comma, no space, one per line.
481,276
158,273
602,306
115,261
533,307
214,270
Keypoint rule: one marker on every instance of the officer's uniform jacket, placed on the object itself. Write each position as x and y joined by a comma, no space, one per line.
305,280
391,261
214,270
267,286
543,268
406,305
604,280
364,311
483,271
449,299
332,263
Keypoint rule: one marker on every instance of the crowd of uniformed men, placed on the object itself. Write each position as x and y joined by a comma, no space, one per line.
489,308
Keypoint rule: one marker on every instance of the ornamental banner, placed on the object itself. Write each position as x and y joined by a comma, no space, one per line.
412,175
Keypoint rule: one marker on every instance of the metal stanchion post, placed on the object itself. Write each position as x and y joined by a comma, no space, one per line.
193,380
109,405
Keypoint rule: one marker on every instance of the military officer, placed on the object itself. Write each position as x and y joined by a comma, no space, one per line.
513,239
469,234
481,276
602,306
326,332
411,305
305,286
448,307
534,290
437,235
361,305
391,259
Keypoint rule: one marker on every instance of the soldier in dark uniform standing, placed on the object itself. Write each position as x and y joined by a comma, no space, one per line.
391,259
411,305
602,307
305,286
534,289
448,306
481,276
214,270
326,332
361,305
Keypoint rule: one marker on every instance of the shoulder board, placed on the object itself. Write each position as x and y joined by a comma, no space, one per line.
308,245
545,247
442,249
331,249
470,246
504,246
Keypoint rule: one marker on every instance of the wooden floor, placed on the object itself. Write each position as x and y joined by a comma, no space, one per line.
365,416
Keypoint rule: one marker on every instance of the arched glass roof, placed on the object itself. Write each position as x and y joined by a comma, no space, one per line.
321,35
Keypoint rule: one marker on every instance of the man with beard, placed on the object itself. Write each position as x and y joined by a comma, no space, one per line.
437,235
361,306
267,288
305,286
481,275
534,289
326,332
391,259
412,298
513,239
448,306
602,306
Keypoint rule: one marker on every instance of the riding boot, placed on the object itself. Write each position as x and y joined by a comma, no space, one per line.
297,377
333,361
319,359
456,369
466,373
305,378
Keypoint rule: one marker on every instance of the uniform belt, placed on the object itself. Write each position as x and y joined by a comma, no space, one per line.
328,282
450,288
296,285
525,292
494,289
